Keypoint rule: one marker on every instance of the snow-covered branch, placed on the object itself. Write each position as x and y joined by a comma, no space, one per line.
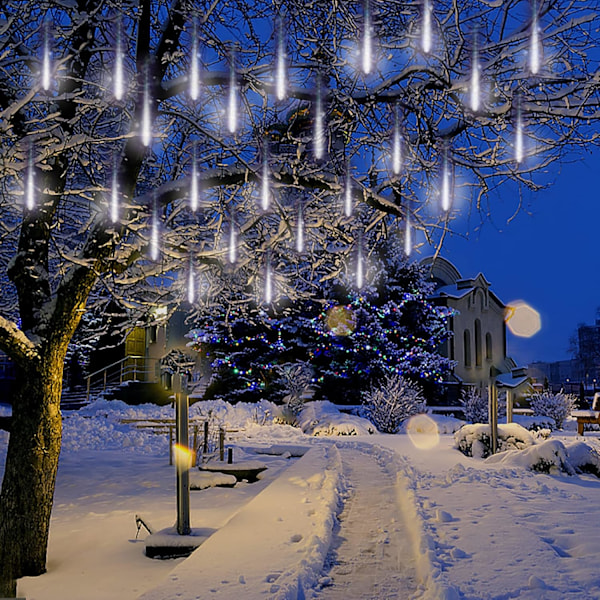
16,344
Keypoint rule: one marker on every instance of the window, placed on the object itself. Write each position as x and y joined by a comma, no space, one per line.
478,353
489,355
467,347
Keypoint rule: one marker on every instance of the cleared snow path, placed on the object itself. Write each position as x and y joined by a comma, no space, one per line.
372,555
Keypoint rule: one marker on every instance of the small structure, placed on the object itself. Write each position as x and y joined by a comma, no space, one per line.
477,323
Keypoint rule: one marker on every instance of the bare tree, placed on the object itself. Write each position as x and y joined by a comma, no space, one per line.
149,148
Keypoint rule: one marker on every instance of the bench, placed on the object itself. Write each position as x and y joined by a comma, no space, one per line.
586,417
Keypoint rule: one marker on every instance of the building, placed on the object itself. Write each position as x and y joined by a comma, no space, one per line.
581,371
477,324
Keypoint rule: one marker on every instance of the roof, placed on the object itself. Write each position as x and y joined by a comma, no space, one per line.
508,380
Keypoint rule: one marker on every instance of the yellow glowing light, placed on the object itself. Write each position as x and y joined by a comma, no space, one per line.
341,320
423,432
183,457
522,319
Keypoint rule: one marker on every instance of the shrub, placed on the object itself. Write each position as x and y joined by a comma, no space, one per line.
475,440
556,406
295,380
393,401
476,406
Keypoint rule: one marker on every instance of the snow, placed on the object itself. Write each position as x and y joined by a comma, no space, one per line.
393,516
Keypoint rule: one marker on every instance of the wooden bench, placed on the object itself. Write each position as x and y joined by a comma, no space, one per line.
586,417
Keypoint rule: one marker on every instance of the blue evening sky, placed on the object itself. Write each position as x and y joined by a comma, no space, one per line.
547,256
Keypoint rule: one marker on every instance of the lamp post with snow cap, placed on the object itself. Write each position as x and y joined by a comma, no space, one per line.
493,408
182,453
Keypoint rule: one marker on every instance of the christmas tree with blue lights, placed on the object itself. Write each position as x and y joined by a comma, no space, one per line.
351,338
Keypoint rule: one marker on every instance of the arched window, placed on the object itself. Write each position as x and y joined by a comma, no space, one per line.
478,353
467,347
489,355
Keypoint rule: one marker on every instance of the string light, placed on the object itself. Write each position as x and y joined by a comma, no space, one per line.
348,194
426,27
195,65
534,43
300,229
119,76
475,83
114,198
319,127
367,52
30,183
280,78
191,283
232,113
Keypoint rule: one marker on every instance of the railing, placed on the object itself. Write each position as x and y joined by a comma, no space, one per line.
128,368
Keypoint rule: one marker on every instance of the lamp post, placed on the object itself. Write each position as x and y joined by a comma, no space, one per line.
182,454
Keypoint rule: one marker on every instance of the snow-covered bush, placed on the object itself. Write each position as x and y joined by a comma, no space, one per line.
475,440
536,423
550,456
553,457
321,417
584,458
475,407
393,401
296,381
557,406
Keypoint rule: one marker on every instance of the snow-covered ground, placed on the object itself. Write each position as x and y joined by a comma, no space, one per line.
357,516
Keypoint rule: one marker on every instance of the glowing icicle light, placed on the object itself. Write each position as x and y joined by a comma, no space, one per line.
265,195
232,252
114,199
519,138
194,186
119,78
396,150
232,116
195,73
300,230
268,282
319,132
446,184
46,62
426,32
30,186
360,275
534,44
348,195
154,237
280,75
146,118
191,291
367,51
475,81
407,237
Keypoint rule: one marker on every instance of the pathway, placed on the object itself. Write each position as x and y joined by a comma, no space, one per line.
371,556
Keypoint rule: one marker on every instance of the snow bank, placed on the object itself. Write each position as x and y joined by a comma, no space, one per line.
321,417
275,546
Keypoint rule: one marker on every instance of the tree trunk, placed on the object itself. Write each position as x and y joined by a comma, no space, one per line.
30,474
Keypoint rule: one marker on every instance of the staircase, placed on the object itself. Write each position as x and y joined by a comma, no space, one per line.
73,399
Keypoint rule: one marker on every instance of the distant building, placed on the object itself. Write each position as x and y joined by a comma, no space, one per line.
570,374
478,340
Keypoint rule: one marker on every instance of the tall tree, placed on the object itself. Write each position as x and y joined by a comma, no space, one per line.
150,145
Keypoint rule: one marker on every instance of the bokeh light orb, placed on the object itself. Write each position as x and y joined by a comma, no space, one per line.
341,320
522,320
423,432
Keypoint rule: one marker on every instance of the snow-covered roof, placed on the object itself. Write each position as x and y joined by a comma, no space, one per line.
509,380
450,291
